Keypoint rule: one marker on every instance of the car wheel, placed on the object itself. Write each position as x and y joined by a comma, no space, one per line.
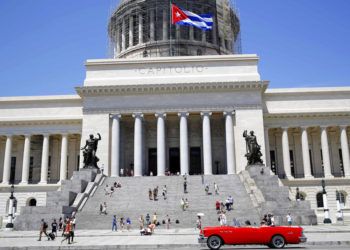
270,245
214,242
277,241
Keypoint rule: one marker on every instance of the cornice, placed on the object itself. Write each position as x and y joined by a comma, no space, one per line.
40,122
306,115
137,89
192,109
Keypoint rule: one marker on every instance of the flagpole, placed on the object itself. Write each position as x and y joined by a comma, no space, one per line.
170,24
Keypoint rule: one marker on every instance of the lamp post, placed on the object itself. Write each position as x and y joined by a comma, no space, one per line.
9,225
326,220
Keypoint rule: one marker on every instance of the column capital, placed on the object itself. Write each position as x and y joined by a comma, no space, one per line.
304,127
27,135
343,126
206,113
45,134
160,115
231,113
285,128
137,115
64,134
323,127
115,116
183,114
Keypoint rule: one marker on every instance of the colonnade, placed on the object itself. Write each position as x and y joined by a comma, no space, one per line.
306,155
26,159
161,145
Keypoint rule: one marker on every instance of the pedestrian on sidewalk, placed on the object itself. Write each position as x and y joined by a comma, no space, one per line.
141,222
60,224
148,219
216,188
199,223
121,223
67,231
154,220
71,232
104,208
43,229
289,219
207,189
150,194
114,223
128,224
167,222
54,227
222,218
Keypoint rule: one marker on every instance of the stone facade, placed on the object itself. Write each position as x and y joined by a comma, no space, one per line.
178,114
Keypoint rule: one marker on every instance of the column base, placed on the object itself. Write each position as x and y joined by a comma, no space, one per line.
327,221
329,176
289,177
42,183
23,183
309,177
5,183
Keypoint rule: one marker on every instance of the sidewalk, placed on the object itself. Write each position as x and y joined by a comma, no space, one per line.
171,239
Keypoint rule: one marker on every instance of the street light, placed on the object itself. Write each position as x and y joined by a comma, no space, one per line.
326,220
9,225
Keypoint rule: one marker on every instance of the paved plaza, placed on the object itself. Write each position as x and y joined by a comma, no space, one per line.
322,235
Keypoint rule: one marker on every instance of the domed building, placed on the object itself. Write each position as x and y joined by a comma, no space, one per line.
175,100
144,29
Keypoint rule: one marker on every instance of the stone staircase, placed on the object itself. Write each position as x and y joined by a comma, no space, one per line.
62,203
132,201
270,196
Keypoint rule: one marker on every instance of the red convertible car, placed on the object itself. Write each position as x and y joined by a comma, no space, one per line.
274,237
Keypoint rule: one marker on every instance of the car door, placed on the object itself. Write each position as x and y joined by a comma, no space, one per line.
242,235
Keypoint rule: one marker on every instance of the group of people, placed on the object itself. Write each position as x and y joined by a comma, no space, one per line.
67,226
228,204
268,220
122,223
110,190
184,204
216,189
153,194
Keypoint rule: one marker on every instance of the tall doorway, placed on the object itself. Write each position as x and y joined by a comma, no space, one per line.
152,161
195,161
174,160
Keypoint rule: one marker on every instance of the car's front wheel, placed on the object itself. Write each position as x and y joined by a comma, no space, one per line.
277,242
214,242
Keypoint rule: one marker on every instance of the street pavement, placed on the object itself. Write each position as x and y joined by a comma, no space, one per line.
319,237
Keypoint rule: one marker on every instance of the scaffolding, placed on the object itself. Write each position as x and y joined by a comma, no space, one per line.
142,28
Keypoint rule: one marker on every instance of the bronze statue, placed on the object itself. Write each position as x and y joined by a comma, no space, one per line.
253,148
89,153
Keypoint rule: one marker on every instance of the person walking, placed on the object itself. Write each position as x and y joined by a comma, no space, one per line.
185,186
71,230
67,231
289,219
43,229
182,204
104,208
121,223
114,223
148,219
207,189
167,222
223,220
164,192
199,223
154,220
216,188
141,222
54,227
128,224
60,224
150,194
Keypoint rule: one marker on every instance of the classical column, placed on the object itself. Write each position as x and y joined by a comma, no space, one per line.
230,143
140,29
151,28
131,29
345,150
325,153
26,160
285,151
138,144
45,159
115,154
165,25
184,154
267,147
64,150
117,41
207,157
123,34
305,151
161,144
7,161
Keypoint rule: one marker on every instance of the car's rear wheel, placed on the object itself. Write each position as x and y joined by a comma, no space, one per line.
277,241
214,242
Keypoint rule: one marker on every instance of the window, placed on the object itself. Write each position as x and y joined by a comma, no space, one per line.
32,202
319,199
341,197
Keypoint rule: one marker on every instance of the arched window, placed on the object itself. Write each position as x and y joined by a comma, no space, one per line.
32,202
319,199
341,197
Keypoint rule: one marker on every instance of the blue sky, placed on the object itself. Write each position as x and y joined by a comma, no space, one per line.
44,43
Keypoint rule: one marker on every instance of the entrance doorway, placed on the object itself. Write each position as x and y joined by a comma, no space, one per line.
152,161
195,161
174,160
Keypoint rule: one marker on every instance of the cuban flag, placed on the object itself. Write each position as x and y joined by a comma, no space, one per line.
185,17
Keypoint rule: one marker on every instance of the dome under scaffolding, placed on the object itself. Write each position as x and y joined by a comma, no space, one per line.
142,28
